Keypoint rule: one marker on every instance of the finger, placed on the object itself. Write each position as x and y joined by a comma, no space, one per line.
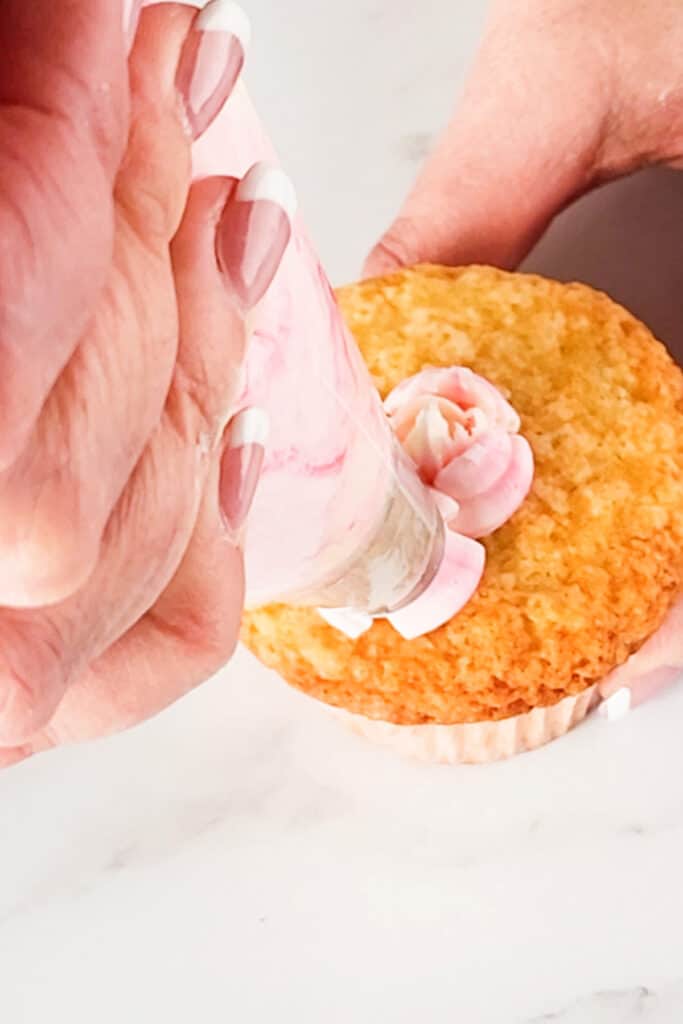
185,63
189,633
63,126
185,638
657,664
212,61
525,140
41,653
57,497
225,256
637,691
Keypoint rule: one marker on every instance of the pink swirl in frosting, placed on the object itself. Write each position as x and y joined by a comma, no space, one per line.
463,436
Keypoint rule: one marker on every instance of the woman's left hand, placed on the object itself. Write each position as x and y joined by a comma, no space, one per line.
136,436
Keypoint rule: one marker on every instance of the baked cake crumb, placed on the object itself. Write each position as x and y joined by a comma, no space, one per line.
589,566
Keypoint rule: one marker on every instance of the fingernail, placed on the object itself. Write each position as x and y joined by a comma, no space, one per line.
241,467
616,706
254,231
211,61
131,17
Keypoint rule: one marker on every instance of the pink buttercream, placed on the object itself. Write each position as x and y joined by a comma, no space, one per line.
463,437
456,581
329,464
454,584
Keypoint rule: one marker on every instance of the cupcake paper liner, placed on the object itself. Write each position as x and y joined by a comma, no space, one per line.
477,742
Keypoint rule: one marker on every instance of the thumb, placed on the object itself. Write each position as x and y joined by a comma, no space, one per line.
524,141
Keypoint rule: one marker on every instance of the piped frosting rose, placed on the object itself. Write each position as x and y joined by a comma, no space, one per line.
463,437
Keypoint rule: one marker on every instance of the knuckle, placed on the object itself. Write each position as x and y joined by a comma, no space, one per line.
205,202
202,629
152,189
202,618
218,641
193,400
33,675
197,401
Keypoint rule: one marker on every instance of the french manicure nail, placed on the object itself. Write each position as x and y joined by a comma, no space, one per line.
241,466
131,17
254,231
617,705
211,62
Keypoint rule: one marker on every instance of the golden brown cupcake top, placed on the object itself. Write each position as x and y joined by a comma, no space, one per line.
587,569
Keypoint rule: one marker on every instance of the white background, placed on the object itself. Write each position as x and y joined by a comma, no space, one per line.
241,858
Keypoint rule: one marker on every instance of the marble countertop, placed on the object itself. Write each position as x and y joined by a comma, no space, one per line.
242,857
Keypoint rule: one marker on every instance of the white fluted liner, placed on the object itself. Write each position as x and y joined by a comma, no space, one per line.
477,742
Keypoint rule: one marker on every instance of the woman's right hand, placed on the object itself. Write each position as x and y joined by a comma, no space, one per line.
123,483
657,664
563,96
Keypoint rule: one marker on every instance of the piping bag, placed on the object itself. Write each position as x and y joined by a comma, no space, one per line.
340,519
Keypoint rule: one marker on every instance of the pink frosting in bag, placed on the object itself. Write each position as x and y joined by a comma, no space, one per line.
329,464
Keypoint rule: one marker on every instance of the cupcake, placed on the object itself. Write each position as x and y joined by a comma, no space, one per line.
580,567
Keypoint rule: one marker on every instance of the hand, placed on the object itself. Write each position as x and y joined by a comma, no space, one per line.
655,666
564,96
122,493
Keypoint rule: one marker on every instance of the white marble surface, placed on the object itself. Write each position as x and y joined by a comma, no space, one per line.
241,858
